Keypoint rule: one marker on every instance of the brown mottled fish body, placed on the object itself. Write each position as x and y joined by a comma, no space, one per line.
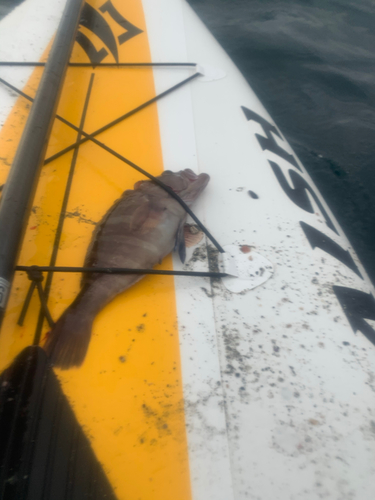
138,231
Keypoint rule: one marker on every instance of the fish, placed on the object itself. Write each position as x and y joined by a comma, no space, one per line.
138,231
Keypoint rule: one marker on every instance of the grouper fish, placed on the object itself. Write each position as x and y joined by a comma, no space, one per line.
138,231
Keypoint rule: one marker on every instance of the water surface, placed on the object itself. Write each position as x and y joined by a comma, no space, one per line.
312,64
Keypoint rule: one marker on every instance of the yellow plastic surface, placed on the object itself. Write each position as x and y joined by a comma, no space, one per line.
128,393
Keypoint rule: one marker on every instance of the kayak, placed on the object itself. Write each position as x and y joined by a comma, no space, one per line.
253,380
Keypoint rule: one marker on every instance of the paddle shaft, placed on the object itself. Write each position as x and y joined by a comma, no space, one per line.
21,184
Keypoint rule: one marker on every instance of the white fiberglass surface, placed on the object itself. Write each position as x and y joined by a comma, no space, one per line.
278,383
24,36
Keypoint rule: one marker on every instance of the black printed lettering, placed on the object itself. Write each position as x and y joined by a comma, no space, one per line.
322,241
95,22
130,29
357,307
95,56
298,195
269,142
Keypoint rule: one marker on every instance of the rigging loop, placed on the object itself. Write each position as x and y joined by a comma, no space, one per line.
36,277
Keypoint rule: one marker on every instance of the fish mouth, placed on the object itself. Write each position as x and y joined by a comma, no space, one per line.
186,183
187,172
197,184
192,176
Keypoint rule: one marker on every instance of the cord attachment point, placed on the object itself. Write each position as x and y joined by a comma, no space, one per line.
36,277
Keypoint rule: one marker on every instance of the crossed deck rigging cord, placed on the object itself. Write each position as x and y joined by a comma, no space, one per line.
35,272
91,137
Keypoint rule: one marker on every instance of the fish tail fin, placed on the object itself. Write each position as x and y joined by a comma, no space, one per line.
68,341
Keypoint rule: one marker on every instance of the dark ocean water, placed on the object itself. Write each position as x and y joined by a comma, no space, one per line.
7,5
312,64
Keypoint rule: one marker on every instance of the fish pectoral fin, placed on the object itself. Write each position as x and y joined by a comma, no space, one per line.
180,242
193,235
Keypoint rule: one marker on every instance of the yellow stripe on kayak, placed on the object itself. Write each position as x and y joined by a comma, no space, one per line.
128,393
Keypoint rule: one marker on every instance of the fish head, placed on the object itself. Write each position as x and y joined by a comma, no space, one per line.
185,183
